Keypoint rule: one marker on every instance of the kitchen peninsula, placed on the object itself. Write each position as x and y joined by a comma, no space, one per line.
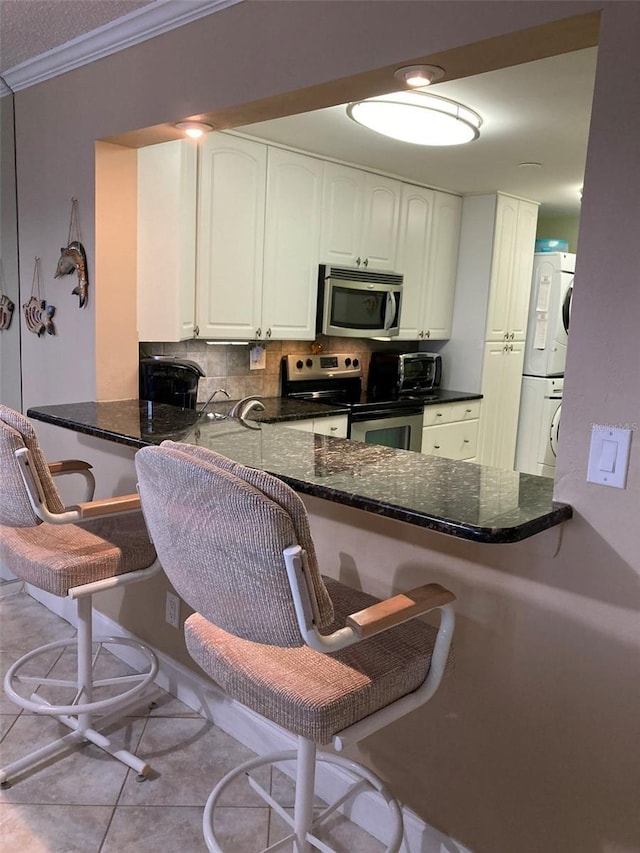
464,500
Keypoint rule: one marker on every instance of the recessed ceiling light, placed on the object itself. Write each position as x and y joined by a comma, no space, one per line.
417,117
419,75
194,129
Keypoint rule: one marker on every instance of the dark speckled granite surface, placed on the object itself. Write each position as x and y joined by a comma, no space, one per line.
458,498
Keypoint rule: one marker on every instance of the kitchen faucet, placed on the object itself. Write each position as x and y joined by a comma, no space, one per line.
242,408
214,415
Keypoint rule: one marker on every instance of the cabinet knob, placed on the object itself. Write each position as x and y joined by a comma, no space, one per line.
468,411
505,348
333,429
358,261
196,331
465,441
510,347
511,336
421,334
506,336
365,263
427,334
258,333
268,333
436,447
438,414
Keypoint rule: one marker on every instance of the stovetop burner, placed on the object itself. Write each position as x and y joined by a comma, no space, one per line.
337,378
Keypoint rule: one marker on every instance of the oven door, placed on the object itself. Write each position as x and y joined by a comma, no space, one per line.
402,430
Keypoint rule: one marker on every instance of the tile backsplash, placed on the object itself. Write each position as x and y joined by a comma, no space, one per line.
227,365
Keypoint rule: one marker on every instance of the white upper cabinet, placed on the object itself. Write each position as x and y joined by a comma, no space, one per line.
258,241
427,258
513,247
166,266
359,218
292,245
231,205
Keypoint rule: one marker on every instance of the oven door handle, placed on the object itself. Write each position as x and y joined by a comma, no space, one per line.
378,414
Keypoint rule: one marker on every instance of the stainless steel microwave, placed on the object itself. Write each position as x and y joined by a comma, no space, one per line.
357,303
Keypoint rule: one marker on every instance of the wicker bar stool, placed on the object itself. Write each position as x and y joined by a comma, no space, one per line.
75,552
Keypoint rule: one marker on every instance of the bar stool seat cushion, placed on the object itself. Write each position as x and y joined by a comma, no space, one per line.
57,557
309,693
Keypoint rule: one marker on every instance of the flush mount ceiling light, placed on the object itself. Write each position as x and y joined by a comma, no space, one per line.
419,75
194,129
417,117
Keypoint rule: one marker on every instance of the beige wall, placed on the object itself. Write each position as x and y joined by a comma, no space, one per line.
532,745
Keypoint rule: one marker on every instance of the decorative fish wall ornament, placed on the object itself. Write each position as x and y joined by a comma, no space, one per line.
37,314
6,305
73,259
6,312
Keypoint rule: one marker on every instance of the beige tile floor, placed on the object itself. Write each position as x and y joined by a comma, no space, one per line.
87,802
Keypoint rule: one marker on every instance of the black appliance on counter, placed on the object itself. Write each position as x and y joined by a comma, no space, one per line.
412,374
337,378
164,379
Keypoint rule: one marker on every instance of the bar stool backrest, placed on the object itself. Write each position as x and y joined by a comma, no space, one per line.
16,432
220,529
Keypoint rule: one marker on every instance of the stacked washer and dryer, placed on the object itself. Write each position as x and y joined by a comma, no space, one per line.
544,362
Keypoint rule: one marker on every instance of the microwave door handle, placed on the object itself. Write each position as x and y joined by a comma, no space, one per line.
390,311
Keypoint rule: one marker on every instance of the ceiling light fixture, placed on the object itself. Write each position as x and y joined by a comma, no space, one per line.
194,129
419,75
417,117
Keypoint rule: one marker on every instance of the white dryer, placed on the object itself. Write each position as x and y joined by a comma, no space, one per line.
549,314
539,425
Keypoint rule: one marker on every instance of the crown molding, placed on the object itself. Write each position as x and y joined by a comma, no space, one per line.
138,26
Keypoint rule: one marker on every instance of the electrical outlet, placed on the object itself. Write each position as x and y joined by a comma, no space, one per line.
172,610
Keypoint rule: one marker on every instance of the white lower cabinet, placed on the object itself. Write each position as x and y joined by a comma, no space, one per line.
451,430
501,388
333,425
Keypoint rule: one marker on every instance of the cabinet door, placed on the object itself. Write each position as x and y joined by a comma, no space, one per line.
502,268
501,387
230,237
413,252
522,269
341,215
292,245
166,265
381,213
443,265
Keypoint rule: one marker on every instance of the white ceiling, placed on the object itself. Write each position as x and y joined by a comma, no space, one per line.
535,112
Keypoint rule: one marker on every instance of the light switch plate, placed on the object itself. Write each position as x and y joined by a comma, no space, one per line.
609,455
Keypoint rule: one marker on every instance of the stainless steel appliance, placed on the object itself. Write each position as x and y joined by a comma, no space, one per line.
337,378
358,303
163,379
403,374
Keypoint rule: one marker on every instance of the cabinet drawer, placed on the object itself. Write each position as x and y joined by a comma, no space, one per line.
449,412
305,425
452,441
334,425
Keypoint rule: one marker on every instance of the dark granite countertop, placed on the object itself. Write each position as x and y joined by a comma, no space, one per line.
461,499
